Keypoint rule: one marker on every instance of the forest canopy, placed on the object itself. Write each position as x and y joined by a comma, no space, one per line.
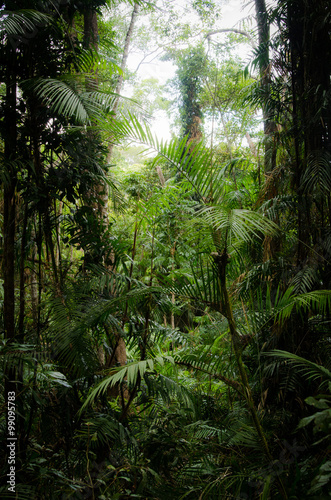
165,301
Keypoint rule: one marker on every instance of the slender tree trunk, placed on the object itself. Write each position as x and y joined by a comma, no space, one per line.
264,38
172,252
309,42
123,66
58,255
120,348
91,41
125,53
265,75
271,245
251,145
222,261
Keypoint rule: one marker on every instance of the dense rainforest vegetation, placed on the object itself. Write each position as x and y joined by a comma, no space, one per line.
165,305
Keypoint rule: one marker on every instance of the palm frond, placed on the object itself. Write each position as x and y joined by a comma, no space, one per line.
22,23
101,430
22,491
318,300
261,274
279,205
304,280
67,97
311,370
90,60
201,288
69,335
129,373
203,430
244,435
205,361
169,389
238,224
317,174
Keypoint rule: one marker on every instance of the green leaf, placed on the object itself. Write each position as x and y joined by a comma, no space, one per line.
318,403
59,378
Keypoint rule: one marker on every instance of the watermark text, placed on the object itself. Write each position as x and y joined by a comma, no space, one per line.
11,441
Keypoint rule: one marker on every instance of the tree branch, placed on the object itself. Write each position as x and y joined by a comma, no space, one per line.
233,30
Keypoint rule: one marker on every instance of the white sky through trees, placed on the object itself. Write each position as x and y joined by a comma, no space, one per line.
233,14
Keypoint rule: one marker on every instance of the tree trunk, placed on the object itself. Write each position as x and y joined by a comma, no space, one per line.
270,148
310,46
265,75
123,66
91,34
